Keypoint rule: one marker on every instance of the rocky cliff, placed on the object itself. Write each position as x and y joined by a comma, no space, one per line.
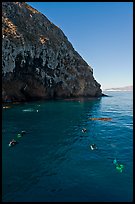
38,61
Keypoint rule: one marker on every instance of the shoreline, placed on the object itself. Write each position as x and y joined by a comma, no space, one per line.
79,98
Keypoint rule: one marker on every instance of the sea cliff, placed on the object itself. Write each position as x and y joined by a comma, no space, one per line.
38,61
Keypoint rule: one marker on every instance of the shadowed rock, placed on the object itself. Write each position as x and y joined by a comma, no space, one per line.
38,61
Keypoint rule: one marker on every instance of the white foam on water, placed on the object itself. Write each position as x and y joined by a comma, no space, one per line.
28,110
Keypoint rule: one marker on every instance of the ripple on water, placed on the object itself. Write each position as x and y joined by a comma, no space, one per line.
54,162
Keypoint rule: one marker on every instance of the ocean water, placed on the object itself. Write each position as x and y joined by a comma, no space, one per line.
53,160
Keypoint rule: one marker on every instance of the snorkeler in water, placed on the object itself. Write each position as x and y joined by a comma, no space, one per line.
93,147
84,130
12,142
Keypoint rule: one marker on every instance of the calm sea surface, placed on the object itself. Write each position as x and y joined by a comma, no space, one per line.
53,160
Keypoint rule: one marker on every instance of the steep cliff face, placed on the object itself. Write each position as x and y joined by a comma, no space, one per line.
38,61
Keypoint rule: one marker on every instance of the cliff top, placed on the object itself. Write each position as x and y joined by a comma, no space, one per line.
19,20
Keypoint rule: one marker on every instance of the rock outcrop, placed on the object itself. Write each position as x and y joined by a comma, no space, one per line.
38,61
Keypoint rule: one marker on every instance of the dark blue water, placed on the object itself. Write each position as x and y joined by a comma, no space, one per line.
54,162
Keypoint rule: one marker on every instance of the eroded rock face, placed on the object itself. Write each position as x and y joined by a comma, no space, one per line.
38,61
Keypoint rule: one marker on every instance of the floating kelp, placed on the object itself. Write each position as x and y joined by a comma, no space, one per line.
104,119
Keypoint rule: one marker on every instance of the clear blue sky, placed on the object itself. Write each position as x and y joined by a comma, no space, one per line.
101,32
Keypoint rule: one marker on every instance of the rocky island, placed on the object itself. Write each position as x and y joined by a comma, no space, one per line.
38,61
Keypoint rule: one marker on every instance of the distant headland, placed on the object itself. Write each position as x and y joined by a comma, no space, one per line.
124,88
